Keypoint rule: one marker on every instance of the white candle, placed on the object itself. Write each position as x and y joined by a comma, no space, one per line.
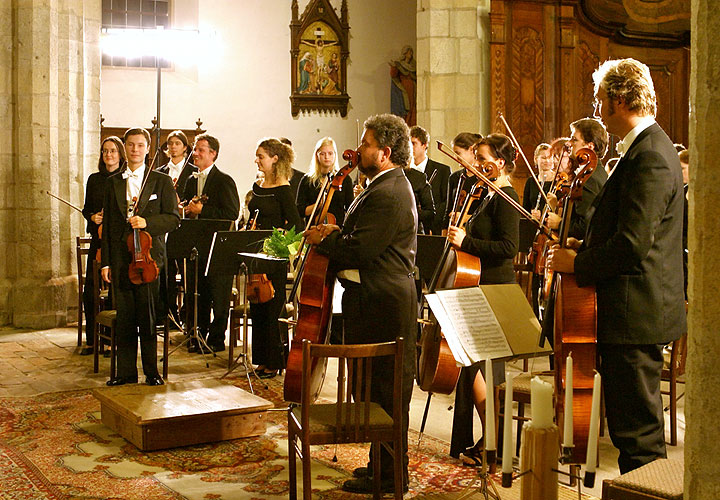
489,407
507,458
591,458
568,414
541,394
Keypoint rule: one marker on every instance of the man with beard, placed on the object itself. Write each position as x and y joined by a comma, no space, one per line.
374,255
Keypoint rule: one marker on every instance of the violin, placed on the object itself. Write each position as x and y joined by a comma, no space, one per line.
259,288
202,198
142,268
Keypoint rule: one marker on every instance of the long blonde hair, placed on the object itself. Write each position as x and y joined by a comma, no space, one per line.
314,168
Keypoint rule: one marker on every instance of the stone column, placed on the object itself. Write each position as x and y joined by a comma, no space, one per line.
702,406
50,100
452,69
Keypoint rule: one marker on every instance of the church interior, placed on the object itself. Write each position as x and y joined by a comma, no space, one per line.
79,71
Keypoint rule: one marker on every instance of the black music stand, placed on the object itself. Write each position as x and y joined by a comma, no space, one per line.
192,240
233,252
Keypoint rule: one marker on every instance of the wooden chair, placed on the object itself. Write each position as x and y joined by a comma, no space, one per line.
349,419
675,367
82,249
658,480
105,320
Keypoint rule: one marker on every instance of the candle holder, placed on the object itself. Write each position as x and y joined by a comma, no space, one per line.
567,454
589,480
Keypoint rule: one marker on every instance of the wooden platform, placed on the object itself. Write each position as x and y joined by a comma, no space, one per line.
181,414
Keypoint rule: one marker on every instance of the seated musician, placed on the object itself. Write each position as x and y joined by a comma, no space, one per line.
492,234
221,202
146,200
545,166
274,203
323,162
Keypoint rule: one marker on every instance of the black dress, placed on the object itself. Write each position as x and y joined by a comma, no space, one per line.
453,183
276,209
492,235
94,194
307,194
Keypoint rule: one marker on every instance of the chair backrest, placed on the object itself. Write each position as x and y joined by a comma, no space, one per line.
101,289
82,247
355,369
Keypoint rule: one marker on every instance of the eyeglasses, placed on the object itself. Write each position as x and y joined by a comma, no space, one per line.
109,151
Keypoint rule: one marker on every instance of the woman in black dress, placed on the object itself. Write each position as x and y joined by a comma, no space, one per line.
324,162
112,161
491,233
274,202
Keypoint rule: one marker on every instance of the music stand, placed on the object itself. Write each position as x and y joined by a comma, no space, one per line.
233,252
192,240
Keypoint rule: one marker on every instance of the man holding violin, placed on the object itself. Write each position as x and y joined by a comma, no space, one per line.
144,200
632,253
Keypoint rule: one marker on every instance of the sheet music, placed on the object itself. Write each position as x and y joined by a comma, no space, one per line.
474,325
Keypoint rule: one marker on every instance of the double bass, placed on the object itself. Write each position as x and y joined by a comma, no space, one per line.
315,283
574,320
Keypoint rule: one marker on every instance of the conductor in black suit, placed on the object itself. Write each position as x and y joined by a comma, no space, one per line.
374,254
157,214
438,172
222,202
632,254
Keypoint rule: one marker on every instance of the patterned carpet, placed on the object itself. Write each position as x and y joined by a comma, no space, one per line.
55,446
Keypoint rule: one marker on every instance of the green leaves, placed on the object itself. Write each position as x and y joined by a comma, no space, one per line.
282,244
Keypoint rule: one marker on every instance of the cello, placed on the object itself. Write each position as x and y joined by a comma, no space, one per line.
315,282
574,320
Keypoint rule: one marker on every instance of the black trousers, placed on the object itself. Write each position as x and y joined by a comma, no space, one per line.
633,403
136,319
381,391
214,293
269,336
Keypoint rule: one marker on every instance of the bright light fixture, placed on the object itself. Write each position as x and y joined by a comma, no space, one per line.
180,46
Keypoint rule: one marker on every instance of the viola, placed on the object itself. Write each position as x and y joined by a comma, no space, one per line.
259,288
574,322
313,286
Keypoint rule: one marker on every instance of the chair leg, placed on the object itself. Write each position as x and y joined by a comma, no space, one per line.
96,352
292,465
113,352
398,465
376,469
307,480
166,346
673,407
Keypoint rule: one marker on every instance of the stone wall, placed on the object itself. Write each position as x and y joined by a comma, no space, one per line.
50,98
452,69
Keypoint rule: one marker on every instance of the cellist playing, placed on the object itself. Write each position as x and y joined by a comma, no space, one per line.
157,214
632,254
492,233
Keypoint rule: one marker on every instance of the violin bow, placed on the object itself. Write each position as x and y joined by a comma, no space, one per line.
527,163
61,200
476,172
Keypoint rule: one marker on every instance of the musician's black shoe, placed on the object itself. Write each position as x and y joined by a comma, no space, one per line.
154,380
365,485
193,348
217,347
86,351
362,472
266,373
121,381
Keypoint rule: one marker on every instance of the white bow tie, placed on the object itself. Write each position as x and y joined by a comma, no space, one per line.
197,175
620,148
128,173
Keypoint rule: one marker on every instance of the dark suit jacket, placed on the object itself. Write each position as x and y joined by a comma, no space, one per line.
379,239
439,189
157,204
591,188
632,251
223,201
185,173
424,200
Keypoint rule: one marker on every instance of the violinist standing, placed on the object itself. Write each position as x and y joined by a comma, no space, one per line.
112,161
179,171
492,233
157,214
438,172
374,254
632,254
222,202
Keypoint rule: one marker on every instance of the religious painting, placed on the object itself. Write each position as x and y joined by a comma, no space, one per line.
403,93
319,58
